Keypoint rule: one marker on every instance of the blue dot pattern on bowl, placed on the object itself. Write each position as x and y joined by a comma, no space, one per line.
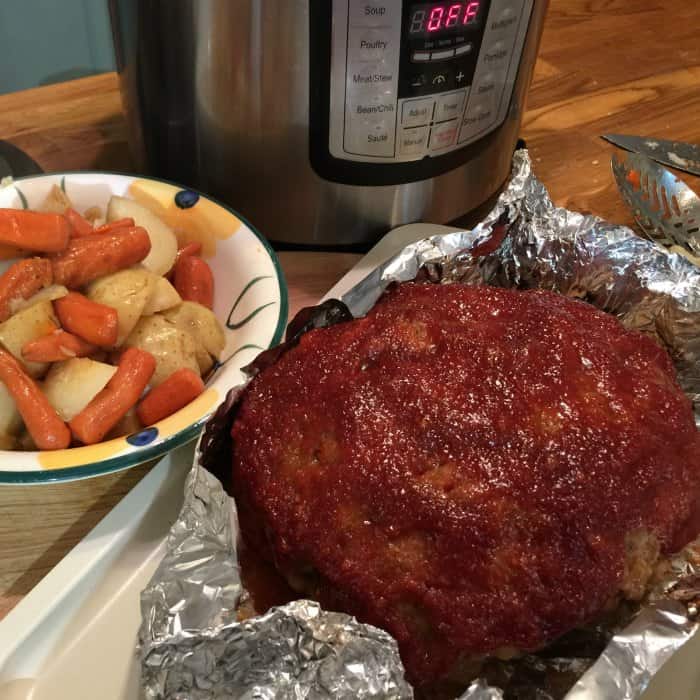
186,199
145,437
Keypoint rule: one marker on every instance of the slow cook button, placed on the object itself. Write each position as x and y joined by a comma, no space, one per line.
479,117
413,142
417,112
374,14
443,136
450,106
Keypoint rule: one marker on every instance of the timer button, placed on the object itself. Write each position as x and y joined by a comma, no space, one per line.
417,112
450,106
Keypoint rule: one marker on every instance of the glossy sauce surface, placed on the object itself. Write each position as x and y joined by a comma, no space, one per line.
461,467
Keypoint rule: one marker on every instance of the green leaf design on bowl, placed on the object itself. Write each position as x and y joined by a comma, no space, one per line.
230,324
22,198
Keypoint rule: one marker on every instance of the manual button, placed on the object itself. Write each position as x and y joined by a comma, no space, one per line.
417,112
450,106
413,142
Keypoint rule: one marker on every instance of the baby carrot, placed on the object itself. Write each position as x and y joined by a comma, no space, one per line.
121,392
55,347
194,281
22,280
36,231
81,226
112,226
91,257
93,322
48,431
181,387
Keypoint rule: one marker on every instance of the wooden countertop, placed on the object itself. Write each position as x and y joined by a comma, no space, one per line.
626,66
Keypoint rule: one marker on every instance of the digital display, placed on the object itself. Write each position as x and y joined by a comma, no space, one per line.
438,18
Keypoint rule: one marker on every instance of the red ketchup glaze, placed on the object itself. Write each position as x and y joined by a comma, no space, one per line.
461,466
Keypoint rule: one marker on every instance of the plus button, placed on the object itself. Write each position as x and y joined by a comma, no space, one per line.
459,77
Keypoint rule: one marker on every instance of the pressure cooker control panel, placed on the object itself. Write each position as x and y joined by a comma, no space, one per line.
411,80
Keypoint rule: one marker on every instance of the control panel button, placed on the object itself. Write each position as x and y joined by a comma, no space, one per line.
417,112
442,55
374,76
495,53
443,135
414,141
464,49
450,106
420,56
441,80
373,13
370,138
369,45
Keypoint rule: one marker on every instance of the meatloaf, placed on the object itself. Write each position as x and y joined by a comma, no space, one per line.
475,470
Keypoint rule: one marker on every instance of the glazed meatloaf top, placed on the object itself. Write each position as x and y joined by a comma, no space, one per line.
470,468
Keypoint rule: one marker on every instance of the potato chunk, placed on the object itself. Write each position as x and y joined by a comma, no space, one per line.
172,347
127,291
71,385
164,297
163,240
201,323
28,324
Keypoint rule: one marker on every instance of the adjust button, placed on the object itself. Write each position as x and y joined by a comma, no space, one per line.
450,106
413,142
443,136
417,112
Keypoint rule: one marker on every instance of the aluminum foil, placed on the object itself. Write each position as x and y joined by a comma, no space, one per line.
192,642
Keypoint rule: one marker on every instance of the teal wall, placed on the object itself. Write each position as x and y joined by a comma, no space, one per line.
48,41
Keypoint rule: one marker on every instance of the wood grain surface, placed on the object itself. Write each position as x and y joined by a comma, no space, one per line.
626,66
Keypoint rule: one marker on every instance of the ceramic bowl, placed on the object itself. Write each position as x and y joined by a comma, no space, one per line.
250,301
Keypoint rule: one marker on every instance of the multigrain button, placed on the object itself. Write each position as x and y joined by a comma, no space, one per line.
413,142
450,106
417,112
443,136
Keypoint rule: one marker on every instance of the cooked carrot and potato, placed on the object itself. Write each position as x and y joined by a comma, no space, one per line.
95,340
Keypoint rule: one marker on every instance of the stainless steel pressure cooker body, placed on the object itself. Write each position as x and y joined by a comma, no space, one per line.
328,122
